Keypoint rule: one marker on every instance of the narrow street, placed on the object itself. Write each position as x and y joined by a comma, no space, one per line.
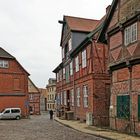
39,128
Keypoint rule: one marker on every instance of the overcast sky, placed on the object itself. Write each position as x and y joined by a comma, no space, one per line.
29,30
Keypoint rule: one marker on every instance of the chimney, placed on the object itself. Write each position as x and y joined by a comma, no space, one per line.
108,8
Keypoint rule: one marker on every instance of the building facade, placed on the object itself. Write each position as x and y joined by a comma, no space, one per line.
13,84
51,88
34,98
122,28
82,78
43,99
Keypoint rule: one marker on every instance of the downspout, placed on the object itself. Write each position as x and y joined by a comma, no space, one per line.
74,90
130,94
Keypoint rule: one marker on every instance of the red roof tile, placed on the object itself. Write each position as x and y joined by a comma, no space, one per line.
81,24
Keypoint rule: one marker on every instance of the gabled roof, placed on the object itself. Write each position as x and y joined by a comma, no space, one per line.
60,66
78,24
32,87
101,37
5,54
88,37
81,24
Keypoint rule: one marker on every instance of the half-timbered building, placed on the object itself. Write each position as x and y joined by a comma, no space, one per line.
34,98
121,31
82,79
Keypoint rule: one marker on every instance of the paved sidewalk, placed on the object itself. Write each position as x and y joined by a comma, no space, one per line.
100,132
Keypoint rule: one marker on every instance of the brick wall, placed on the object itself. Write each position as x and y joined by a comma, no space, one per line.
14,87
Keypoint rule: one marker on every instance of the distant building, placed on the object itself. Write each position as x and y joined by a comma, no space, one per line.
43,99
51,88
13,83
34,98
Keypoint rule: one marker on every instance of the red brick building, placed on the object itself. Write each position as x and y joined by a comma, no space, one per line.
82,78
34,98
13,83
122,28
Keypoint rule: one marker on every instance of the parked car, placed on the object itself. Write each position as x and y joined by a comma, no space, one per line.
11,113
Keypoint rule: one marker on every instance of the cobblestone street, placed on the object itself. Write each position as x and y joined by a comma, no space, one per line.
39,128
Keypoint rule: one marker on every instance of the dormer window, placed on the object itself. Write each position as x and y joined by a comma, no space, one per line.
4,64
130,34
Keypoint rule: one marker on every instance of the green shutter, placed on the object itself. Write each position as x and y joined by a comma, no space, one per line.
123,106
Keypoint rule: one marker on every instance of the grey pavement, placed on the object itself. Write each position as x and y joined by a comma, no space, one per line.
40,128
97,131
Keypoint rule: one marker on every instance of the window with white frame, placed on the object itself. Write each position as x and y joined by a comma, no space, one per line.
72,97
61,98
64,73
63,53
31,96
85,95
130,34
77,64
78,96
58,98
70,44
84,59
65,98
71,68
67,73
60,76
4,64
57,76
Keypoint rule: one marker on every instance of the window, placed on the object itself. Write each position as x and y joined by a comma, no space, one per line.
4,64
78,96
70,44
60,75
66,51
58,98
31,96
77,64
57,76
65,98
62,53
85,96
67,73
64,73
84,57
130,34
15,111
61,98
71,68
72,97
7,111
123,106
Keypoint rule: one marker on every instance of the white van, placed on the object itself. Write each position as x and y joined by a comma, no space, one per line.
11,113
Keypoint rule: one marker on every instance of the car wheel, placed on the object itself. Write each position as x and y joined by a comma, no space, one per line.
17,117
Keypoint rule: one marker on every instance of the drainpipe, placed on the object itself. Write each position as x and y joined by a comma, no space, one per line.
130,94
74,90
